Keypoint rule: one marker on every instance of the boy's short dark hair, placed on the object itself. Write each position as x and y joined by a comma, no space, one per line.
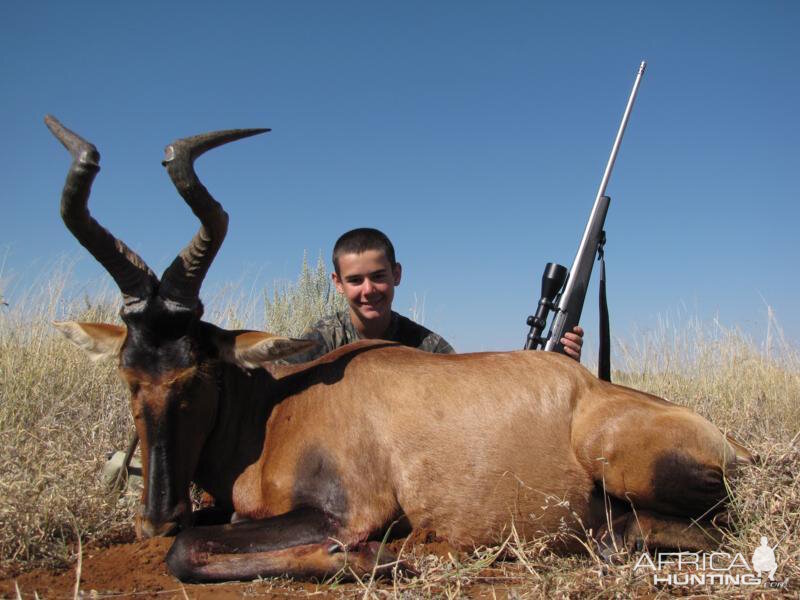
360,240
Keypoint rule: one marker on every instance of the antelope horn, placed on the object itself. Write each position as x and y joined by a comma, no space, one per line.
135,279
181,282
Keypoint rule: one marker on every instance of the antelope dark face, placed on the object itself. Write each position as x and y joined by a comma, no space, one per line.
170,372
168,357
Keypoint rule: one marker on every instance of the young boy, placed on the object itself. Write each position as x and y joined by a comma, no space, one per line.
366,273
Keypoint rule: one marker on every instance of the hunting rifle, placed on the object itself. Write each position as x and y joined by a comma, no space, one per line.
564,291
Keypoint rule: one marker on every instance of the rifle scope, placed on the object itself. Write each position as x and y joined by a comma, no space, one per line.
552,281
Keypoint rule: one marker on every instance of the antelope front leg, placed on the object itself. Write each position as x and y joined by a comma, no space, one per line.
301,543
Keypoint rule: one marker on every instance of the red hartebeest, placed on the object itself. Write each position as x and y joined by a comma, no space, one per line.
318,460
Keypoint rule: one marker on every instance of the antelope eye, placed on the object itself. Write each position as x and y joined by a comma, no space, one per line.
136,410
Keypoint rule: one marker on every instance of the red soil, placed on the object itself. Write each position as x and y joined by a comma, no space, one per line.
138,569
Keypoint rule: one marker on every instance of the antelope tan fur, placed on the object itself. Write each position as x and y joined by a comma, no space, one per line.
310,465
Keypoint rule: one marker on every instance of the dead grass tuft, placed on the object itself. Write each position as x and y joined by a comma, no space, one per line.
58,418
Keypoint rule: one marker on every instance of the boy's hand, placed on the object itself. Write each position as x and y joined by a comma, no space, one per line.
572,342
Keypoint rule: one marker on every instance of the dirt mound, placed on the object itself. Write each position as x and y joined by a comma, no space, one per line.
138,568
122,568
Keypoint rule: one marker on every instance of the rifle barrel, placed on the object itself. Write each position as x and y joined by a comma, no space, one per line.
626,115
563,321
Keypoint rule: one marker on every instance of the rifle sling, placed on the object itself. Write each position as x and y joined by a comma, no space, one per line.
604,351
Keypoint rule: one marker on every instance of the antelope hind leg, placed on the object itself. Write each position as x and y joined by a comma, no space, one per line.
645,529
300,543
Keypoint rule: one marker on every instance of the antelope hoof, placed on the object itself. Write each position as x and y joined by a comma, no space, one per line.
611,546
146,529
373,557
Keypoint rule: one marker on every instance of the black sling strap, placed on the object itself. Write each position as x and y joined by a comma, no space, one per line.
604,352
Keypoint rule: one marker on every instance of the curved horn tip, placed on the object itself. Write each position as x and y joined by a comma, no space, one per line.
194,146
81,150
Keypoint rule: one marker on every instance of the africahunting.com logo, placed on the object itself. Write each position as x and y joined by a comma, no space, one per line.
720,568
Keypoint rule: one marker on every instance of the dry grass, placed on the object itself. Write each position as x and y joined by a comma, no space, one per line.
738,383
59,415
293,308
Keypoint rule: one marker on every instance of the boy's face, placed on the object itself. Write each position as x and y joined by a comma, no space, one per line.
367,280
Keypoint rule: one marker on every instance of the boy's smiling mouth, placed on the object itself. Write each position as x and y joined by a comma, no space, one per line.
373,303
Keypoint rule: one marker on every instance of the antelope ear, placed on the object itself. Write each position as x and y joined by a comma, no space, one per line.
253,348
98,340
743,455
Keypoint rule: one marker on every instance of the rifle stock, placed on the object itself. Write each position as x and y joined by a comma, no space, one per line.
570,303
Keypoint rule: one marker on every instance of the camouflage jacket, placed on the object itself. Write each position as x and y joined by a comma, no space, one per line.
337,330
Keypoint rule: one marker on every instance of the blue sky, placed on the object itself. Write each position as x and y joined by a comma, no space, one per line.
474,133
